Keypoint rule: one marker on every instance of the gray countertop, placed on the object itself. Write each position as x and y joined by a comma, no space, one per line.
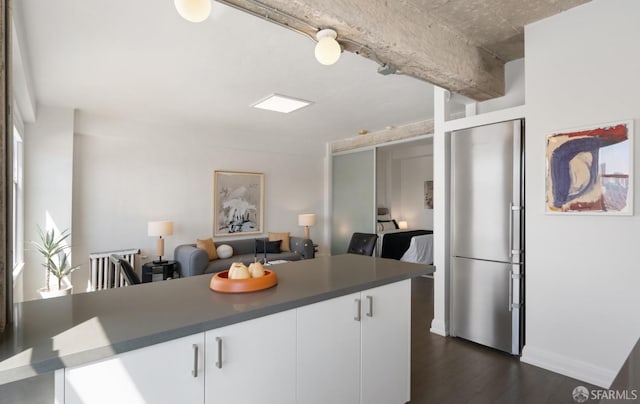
71,330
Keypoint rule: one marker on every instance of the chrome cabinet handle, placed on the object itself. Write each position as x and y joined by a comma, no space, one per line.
194,372
358,308
370,301
219,362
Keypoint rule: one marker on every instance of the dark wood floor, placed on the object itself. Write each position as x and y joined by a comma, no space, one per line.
452,370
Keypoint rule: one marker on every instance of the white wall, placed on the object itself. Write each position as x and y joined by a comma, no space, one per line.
48,151
126,174
23,88
514,95
414,172
401,172
383,171
583,279
514,91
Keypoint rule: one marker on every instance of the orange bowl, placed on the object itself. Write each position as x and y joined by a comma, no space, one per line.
220,282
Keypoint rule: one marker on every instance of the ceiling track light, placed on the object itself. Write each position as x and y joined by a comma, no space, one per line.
193,10
386,69
267,13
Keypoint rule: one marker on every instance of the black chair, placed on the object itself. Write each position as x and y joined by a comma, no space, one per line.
362,243
129,274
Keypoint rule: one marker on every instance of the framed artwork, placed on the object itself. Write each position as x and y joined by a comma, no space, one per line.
428,194
590,170
238,203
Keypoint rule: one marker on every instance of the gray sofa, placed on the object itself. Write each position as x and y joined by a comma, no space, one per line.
194,261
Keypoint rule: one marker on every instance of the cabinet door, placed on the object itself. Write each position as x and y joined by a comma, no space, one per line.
162,373
386,344
252,362
329,352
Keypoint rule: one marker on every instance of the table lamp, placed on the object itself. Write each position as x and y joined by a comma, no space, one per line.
403,224
159,229
306,220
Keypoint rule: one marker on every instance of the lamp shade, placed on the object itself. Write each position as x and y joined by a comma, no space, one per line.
327,50
161,228
193,10
402,224
307,219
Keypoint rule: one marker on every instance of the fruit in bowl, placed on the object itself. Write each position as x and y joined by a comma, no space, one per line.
238,279
239,271
256,270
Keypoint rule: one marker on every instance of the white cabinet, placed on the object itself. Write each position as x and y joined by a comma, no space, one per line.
249,362
252,362
347,350
169,372
386,344
329,351
356,348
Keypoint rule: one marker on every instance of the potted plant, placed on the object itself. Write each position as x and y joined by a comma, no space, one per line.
56,261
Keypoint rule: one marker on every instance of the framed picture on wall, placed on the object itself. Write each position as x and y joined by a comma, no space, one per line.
238,203
590,170
428,194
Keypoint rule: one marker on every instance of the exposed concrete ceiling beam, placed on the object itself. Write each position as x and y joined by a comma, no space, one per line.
399,32
388,135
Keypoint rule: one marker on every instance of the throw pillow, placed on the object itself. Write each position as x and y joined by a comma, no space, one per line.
273,247
281,236
224,251
387,225
209,247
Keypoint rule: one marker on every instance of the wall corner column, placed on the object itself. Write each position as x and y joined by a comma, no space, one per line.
441,155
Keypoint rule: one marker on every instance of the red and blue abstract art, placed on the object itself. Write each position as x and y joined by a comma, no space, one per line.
589,170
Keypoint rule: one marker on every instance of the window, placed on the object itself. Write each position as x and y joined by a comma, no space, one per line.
18,204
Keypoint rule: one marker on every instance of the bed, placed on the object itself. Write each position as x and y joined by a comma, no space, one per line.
402,244
406,245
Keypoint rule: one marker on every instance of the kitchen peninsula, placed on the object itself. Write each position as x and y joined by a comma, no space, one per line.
333,329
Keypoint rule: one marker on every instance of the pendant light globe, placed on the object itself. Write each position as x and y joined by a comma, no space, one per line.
193,10
327,50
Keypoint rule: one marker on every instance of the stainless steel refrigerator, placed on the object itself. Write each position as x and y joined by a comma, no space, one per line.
487,230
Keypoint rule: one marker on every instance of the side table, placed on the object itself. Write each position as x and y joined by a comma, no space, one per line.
152,272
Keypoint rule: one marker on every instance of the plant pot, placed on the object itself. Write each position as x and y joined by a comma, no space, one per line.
45,294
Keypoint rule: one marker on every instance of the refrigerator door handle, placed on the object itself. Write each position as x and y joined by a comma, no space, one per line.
510,242
513,277
512,251
510,290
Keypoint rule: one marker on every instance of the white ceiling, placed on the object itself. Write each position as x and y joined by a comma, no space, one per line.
140,61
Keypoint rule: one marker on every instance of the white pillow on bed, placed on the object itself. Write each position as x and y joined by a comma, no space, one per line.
385,218
387,225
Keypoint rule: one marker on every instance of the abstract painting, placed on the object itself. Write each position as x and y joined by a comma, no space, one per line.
238,203
589,170
428,194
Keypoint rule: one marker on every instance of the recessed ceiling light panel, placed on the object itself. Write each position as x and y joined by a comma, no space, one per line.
281,103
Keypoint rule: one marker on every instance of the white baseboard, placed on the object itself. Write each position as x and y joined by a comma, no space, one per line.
439,327
564,365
